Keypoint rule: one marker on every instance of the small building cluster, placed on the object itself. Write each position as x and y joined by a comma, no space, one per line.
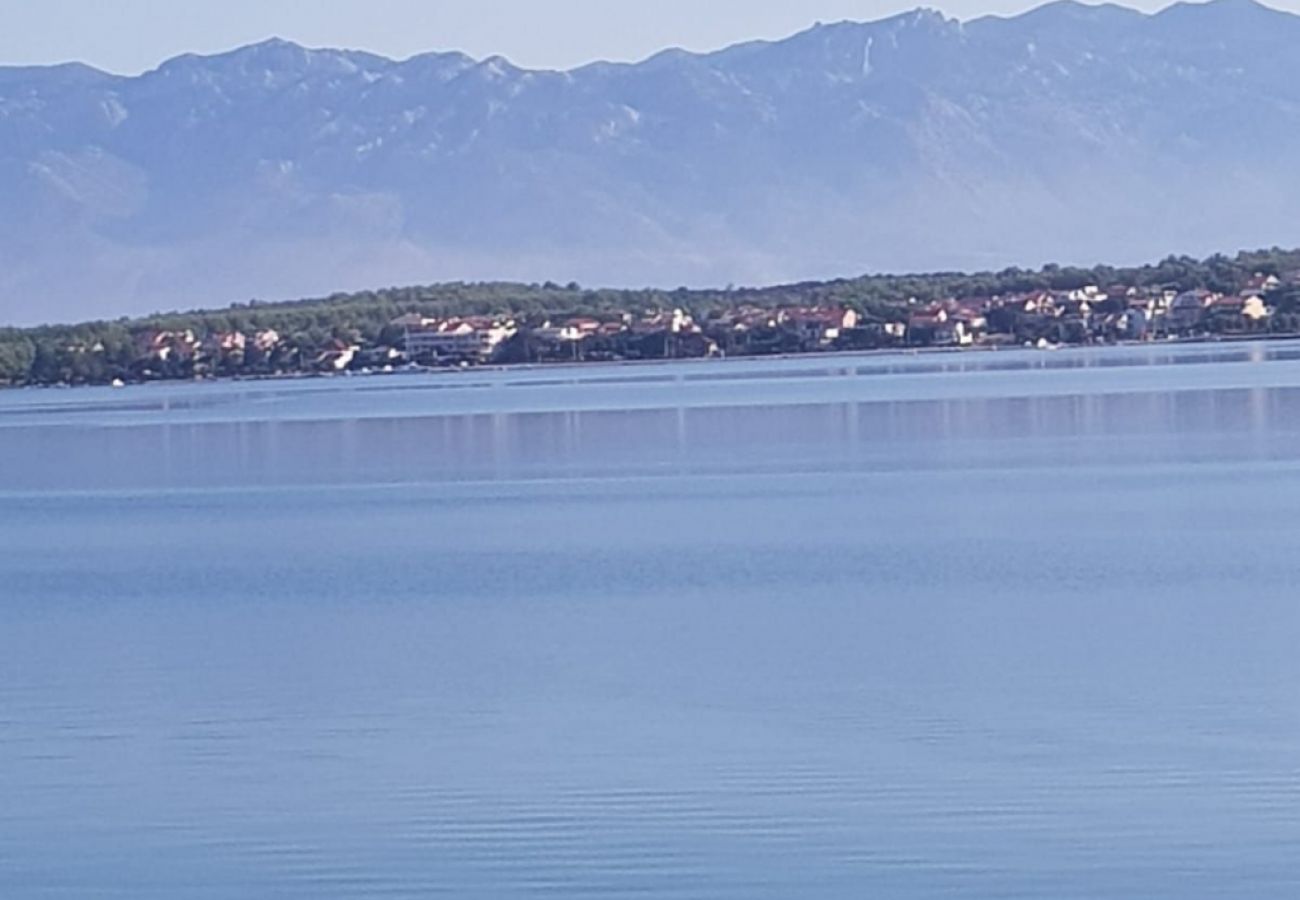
1091,314
657,334
471,340
1086,315
158,351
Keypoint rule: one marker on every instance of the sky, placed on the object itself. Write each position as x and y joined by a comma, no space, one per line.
130,36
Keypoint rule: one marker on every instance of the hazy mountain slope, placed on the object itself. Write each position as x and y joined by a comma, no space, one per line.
1073,133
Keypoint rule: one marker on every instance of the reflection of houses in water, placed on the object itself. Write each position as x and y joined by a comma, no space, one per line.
905,412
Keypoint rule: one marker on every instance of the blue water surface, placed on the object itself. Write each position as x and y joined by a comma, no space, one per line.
1013,624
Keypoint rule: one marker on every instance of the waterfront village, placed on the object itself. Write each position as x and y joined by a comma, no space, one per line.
1043,318
459,326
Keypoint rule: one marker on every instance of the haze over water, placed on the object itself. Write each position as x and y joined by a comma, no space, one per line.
990,625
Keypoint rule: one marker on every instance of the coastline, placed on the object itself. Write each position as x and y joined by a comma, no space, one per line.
875,353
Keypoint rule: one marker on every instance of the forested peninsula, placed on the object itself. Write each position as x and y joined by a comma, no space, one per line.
461,324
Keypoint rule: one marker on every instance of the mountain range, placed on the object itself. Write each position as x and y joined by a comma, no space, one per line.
1071,133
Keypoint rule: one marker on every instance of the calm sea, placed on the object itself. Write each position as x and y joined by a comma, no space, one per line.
986,625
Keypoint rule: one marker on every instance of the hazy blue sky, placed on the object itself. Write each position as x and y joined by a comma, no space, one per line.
133,35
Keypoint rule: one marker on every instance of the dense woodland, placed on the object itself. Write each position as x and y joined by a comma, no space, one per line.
99,352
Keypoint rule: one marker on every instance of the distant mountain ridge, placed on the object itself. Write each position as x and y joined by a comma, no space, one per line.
1071,133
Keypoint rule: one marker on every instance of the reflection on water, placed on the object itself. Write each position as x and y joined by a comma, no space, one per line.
857,413
984,625
1254,424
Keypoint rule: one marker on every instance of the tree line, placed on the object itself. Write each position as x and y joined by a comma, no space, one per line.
98,352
